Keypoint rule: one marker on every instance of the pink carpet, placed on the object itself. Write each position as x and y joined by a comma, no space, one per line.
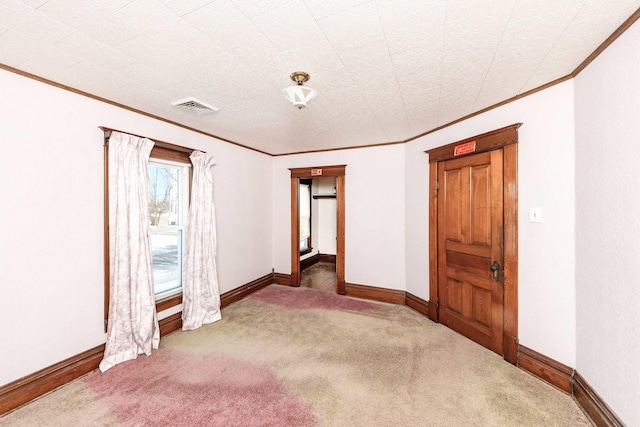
301,357
171,388
309,299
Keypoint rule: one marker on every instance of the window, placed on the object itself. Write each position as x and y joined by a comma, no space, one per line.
169,165
168,203
305,216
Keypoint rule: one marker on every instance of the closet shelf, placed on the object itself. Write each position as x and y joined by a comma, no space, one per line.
324,196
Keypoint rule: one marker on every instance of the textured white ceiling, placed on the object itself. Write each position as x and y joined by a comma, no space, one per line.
385,70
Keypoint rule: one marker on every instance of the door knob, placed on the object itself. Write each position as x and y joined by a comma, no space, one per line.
495,269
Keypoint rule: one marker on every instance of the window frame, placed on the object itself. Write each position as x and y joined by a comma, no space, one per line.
185,188
161,150
309,248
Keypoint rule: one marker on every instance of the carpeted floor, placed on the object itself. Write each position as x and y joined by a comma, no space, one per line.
302,357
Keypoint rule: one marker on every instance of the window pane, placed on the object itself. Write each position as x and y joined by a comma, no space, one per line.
305,211
164,192
166,248
167,216
305,200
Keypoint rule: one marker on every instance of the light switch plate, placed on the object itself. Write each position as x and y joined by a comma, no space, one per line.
535,215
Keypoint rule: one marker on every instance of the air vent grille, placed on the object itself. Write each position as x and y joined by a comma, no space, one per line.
195,106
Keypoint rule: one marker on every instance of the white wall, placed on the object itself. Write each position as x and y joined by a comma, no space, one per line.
374,223
608,226
51,220
545,180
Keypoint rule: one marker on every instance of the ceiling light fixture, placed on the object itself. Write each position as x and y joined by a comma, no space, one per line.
297,94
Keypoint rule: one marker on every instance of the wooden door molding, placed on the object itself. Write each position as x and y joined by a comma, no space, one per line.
337,171
318,171
493,140
505,138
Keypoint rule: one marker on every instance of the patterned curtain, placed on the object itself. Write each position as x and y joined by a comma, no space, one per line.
200,293
133,324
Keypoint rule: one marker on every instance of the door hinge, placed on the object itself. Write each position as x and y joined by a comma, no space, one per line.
437,185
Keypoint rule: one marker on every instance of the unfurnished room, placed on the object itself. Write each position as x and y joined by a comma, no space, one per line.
319,213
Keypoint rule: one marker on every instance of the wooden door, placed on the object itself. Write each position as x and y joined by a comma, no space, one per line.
470,247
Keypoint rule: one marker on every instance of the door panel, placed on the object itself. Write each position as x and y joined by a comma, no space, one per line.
470,263
454,295
480,209
454,210
470,223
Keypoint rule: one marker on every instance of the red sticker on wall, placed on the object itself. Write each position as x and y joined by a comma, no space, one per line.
466,148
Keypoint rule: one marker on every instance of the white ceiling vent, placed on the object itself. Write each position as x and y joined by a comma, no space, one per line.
194,105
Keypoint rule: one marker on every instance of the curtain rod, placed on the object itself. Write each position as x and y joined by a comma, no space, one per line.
107,133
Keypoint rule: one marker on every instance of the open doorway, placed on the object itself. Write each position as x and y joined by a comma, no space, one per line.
318,212
337,173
